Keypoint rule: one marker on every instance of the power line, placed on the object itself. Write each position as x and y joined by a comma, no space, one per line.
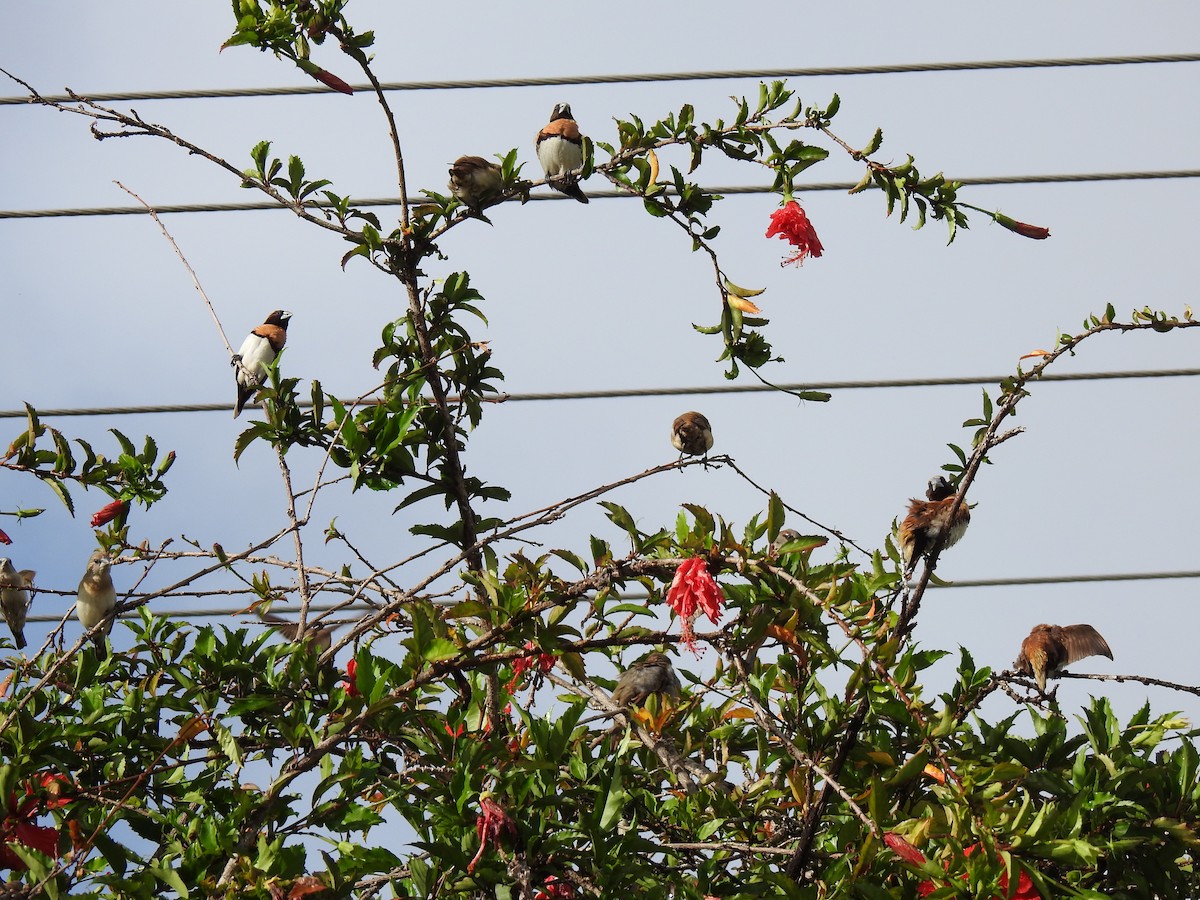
615,393
990,180
569,80
346,611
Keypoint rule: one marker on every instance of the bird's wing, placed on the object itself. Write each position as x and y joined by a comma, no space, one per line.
1082,641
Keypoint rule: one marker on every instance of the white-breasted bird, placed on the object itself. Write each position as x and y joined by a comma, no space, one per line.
259,349
560,151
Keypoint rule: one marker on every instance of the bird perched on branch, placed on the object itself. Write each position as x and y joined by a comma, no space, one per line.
691,434
928,519
321,639
259,349
475,181
652,675
97,598
1051,648
15,599
560,151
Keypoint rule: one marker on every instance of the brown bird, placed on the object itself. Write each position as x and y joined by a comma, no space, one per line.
259,349
691,434
321,639
560,151
928,519
475,181
785,535
15,599
652,675
1051,648
96,599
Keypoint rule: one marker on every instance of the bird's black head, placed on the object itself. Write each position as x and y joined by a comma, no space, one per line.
561,111
939,488
279,317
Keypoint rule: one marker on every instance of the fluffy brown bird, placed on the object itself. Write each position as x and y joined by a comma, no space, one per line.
1051,648
652,675
96,599
474,180
15,599
691,434
559,148
928,519
321,639
259,349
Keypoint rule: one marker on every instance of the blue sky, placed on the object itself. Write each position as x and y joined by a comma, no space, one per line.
99,312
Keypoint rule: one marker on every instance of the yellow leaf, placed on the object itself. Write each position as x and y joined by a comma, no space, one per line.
744,305
935,773
881,757
652,158
1034,353
738,712
192,727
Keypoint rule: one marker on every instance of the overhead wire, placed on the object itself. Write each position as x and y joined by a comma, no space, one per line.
259,206
616,393
640,78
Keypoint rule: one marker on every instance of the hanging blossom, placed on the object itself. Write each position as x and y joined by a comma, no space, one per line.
1024,229
110,512
20,825
790,223
910,854
493,824
350,686
694,591
554,887
4,538
522,664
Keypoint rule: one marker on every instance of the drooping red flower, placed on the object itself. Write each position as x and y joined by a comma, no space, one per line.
4,538
492,824
20,825
1025,889
1034,232
790,223
694,590
522,664
110,512
350,685
332,81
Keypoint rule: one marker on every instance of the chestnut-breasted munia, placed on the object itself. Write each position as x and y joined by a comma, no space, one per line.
652,675
259,349
96,599
929,519
475,181
560,151
1050,648
15,599
691,434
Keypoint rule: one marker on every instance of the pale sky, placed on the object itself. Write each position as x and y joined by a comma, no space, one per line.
99,312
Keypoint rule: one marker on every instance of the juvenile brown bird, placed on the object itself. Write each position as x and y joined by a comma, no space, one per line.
259,349
474,180
560,151
15,599
652,675
321,639
691,434
96,599
785,535
928,519
1051,648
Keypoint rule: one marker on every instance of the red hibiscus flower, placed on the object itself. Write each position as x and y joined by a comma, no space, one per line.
492,825
110,512
350,685
554,887
1034,232
1025,889
20,825
790,223
694,590
4,538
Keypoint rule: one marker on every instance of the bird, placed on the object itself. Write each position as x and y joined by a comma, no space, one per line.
259,349
691,434
474,180
1051,648
928,519
97,598
785,536
652,675
321,639
560,151
15,599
